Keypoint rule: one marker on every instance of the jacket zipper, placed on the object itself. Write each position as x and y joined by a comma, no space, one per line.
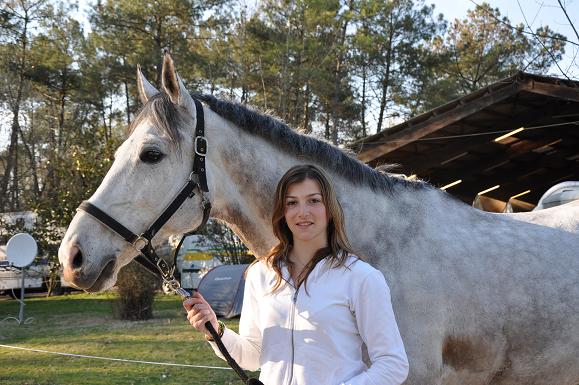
293,308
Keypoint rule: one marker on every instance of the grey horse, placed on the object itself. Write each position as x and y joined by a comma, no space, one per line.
479,298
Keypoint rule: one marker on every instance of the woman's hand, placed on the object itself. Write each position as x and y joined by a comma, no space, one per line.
199,312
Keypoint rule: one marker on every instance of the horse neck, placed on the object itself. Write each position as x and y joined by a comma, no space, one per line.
244,170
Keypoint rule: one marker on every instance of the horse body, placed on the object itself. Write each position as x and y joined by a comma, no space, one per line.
479,298
564,217
502,311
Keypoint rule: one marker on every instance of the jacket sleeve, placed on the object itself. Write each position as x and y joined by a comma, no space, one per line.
379,331
245,347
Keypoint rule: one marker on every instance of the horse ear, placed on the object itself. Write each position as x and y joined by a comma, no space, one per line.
174,87
146,90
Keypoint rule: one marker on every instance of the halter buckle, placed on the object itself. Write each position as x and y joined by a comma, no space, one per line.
140,243
201,148
164,269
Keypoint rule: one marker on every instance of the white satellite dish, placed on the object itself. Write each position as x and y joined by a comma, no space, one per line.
21,249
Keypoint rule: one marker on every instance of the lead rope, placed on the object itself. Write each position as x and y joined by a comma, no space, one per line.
174,285
167,275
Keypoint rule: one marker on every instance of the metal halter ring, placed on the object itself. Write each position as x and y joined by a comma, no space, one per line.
173,284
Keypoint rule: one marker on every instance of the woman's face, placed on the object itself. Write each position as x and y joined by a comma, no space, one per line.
305,213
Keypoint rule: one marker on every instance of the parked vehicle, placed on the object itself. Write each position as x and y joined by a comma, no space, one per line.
37,278
194,260
559,194
11,277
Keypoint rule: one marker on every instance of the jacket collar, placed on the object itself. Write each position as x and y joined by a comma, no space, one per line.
318,271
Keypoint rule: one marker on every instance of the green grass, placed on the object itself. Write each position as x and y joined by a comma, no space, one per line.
83,324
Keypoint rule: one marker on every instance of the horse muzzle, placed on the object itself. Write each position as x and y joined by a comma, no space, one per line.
81,273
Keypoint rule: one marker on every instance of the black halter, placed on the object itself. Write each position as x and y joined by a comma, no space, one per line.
197,180
147,257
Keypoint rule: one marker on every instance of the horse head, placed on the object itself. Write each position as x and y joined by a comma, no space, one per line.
138,186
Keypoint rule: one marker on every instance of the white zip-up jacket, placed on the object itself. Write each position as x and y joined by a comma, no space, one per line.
315,337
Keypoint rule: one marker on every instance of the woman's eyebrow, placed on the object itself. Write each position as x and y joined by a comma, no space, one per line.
309,195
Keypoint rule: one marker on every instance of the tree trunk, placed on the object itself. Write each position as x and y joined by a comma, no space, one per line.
263,84
14,190
31,151
306,127
363,102
284,76
327,126
386,76
62,105
127,100
103,115
338,79
297,112
127,95
11,162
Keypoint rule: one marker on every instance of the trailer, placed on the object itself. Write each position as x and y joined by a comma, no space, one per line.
11,278
194,260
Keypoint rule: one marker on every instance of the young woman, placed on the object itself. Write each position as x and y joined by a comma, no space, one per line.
311,303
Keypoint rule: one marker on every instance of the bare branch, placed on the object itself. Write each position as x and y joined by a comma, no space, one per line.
569,19
542,44
525,32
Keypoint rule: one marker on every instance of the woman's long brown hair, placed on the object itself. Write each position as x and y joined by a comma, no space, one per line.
338,248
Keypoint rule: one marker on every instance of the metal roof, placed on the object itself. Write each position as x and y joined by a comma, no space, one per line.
458,140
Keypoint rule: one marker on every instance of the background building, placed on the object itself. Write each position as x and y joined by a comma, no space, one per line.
514,138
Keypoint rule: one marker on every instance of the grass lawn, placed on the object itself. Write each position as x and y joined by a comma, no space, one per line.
83,324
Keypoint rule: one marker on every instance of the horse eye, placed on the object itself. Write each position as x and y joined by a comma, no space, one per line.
151,156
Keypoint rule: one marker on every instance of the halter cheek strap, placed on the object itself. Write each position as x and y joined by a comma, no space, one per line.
200,147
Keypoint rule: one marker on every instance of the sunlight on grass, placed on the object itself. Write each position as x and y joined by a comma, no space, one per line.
83,324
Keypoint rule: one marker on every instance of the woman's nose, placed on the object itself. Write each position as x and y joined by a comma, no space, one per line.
304,209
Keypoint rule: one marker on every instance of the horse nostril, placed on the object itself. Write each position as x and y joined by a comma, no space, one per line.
77,260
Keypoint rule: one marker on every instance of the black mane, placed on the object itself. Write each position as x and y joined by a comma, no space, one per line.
305,147
167,118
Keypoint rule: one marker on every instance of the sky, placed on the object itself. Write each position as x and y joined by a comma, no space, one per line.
536,12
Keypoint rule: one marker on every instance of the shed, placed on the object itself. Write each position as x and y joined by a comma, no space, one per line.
520,134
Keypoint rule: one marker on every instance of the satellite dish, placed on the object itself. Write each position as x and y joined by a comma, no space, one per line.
21,249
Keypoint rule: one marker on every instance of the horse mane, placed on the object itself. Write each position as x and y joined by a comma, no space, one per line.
164,114
167,118
305,147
